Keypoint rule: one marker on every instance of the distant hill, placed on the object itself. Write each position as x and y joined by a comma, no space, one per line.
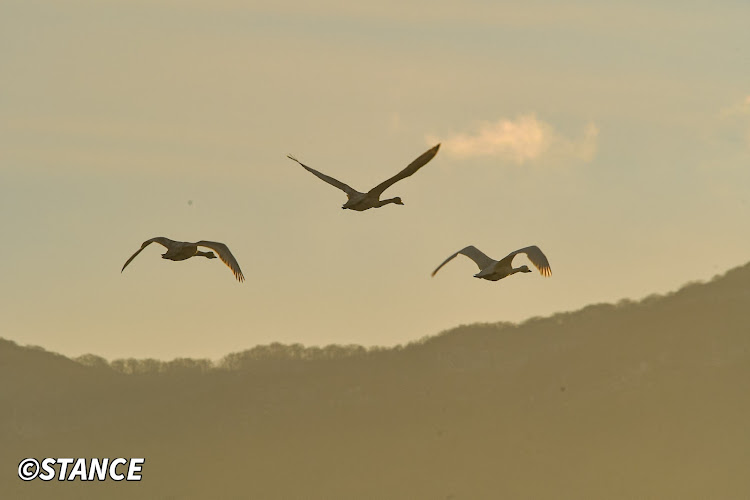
647,399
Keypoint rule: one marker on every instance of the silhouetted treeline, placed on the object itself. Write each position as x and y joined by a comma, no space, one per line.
643,399
274,356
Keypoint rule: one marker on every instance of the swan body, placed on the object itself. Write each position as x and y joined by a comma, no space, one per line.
181,250
494,270
364,201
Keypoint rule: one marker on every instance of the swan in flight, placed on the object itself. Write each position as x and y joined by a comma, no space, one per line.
181,250
371,199
494,270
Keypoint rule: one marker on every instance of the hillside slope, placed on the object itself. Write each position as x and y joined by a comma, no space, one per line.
641,399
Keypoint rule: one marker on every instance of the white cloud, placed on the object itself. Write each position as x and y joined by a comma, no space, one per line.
734,122
741,108
521,140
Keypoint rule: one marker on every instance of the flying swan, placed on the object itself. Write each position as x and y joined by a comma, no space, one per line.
181,250
371,199
494,270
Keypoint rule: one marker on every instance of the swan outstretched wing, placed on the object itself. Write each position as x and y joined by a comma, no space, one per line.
423,159
536,257
327,178
166,242
226,257
471,252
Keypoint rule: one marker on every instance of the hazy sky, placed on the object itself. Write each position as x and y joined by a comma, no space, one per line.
617,138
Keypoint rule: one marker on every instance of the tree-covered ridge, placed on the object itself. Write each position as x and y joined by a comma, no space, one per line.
643,399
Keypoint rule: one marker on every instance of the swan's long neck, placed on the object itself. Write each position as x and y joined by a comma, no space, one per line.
396,201
209,255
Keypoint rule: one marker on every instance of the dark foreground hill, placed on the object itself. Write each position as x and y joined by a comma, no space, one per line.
634,400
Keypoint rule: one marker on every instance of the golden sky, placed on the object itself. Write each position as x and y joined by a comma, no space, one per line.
616,138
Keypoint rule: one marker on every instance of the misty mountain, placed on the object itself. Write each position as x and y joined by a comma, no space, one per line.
645,399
